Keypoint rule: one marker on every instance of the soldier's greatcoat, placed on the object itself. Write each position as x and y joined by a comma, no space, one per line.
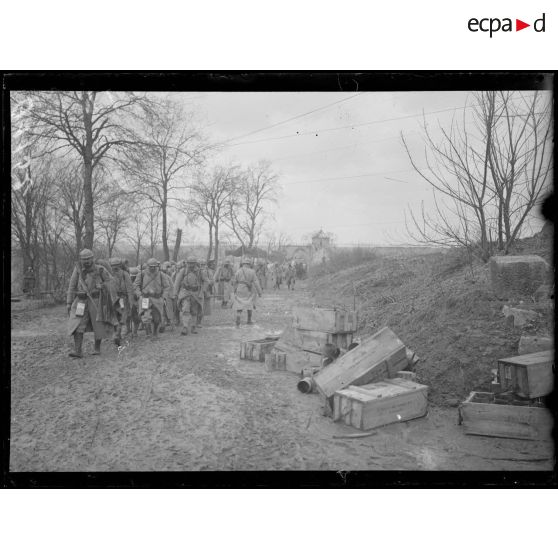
99,299
155,286
246,288
222,278
124,292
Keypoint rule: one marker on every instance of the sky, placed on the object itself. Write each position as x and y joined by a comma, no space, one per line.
341,162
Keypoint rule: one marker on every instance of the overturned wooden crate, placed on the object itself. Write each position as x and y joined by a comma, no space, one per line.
257,348
293,339
380,403
329,320
292,361
380,356
529,375
489,414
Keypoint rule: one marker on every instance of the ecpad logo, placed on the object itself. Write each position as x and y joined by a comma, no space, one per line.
494,24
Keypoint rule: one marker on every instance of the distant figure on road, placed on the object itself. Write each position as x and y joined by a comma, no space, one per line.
277,276
290,277
89,303
246,287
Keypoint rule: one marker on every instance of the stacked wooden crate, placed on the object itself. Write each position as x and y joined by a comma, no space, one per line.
367,387
517,409
312,333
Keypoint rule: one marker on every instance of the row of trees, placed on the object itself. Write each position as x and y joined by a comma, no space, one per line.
101,170
488,173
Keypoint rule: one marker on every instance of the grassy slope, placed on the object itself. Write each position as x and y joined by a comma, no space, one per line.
438,307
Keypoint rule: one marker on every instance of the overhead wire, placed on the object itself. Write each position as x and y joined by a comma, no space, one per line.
291,119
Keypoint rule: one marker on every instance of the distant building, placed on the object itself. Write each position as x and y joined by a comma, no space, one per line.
321,245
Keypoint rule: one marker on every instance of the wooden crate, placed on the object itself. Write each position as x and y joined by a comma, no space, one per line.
380,403
293,339
480,415
293,361
330,320
378,357
528,375
257,349
275,360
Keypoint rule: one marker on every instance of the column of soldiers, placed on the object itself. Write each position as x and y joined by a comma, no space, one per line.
111,299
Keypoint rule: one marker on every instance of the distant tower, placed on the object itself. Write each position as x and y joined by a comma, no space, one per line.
320,247
320,241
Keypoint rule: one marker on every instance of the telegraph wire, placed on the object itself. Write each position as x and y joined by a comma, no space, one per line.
290,119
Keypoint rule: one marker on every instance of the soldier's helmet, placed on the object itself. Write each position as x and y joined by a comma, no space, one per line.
115,262
152,262
86,254
134,271
228,260
191,260
246,261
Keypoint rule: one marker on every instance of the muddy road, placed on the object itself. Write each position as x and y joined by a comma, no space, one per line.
190,404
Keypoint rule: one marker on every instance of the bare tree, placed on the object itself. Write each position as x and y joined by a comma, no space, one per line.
113,216
487,174
27,204
170,146
209,201
138,227
88,123
247,208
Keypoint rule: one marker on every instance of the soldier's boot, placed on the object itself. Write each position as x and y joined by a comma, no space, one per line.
97,349
118,335
155,331
161,328
135,329
238,313
249,320
184,330
78,343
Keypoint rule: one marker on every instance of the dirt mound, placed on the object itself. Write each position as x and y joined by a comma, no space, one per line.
442,307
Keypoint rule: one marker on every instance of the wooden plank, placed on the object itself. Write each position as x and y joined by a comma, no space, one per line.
380,356
529,375
380,403
331,320
504,421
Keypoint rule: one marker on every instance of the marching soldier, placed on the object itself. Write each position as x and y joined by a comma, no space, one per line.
261,274
133,316
125,296
189,284
152,286
246,287
89,303
168,302
290,277
207,273
222,278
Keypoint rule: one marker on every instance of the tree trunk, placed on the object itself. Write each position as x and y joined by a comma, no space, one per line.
216,244
177,245
88,209
165,240
210,249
